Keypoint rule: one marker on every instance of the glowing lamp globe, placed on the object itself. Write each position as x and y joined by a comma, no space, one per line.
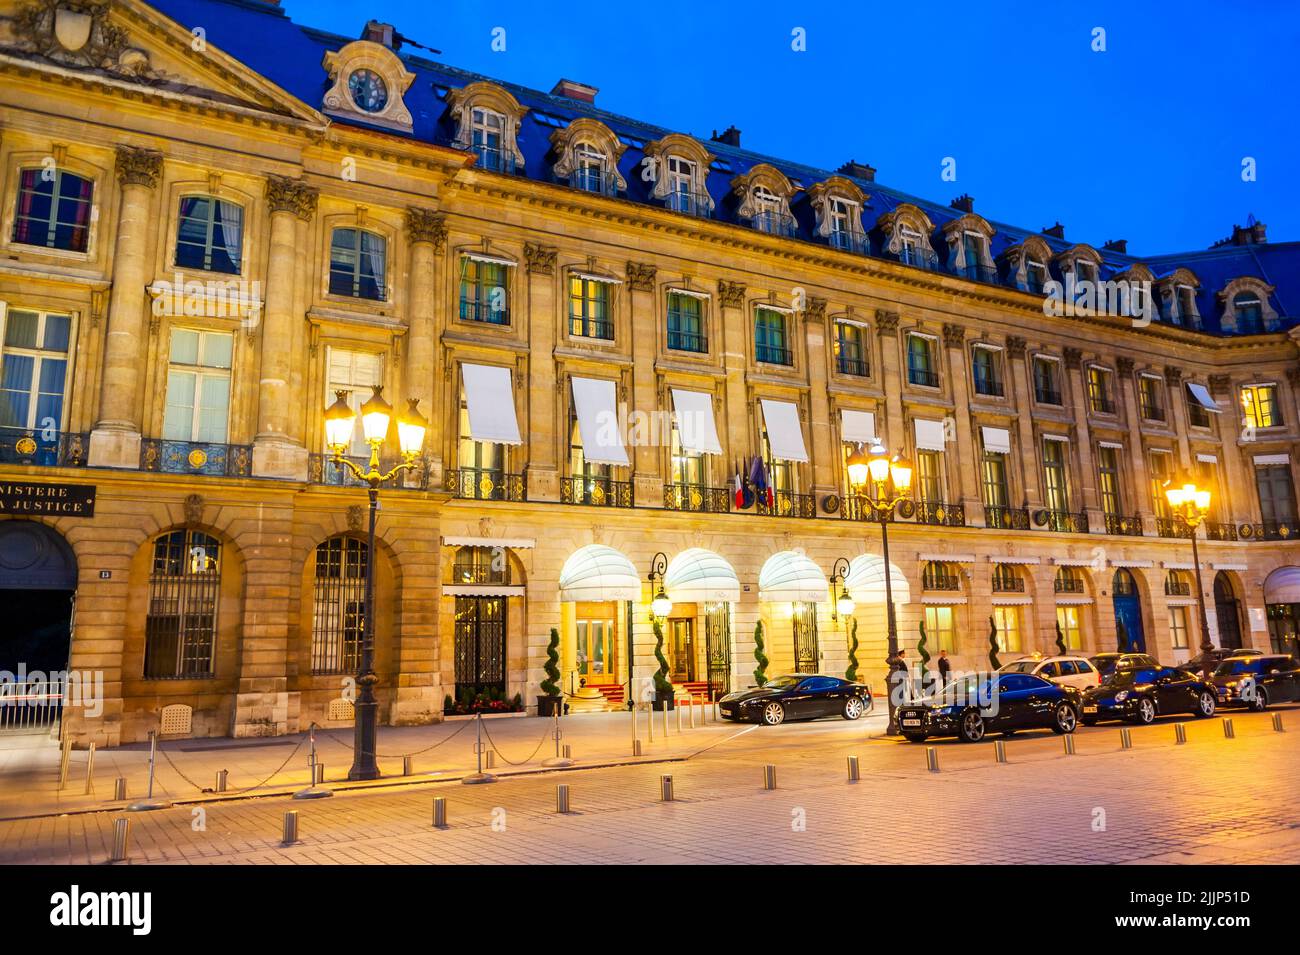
375,415
339,422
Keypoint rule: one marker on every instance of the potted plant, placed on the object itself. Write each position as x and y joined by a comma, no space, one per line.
549,703
664,693
851,674
760,673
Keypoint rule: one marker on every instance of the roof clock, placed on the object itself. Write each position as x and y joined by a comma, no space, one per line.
368,90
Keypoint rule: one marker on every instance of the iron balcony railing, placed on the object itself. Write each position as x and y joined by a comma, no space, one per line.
988,387
494,158
857,509
939,512
773,355
921,258
485,484
1177,588
943,582
1068,585
1153,413
593,180
922,376
321,469
691,203
196,457
30,705
775,223
1172,527
849,242
591,328
1269,531
1221,532
595,491
1047,396
697,497
1008,585
1006,518
787,504
1064,522
1101,404
1124,525
486,312
852,365
27,446
977,272
688,341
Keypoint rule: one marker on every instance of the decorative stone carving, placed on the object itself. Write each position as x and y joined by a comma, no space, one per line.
1173,374
356,518
78,33
905,219
1016,347
816,310
731,294
641,277
886,322
485,527
1222,384
954,336
954,233
291,195
540,259
138,167
383,62
768,178
1255,286
683,146
425,225
1124,365
193,508
1073,357
1018,257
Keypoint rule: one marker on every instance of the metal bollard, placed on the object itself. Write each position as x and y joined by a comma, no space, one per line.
1180,733
769,776
439,812
148,803
406,765
290,827
855,773
320,774
222,778
90,770
1125,739
119,789
999,751
932,759
1069,744
636,747
490,759
666,788
692,712
1228,731
717,716
1277,723
664,711
678,708
650,724
121,840
567,751
562,798
65,755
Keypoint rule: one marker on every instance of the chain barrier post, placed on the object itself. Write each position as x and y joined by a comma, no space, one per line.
1277,723
439,812
90,770
65,755
1228,731
1125,739
119,789
561,758
650,723
693,711
316,772
406,765
562,798
148,803
666,788
1180,733
223,778
121,839
932,759
679,716
855,773
290,827
769,776
1069,744
478,777
999,751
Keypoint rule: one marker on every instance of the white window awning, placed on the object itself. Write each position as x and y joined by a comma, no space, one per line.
791,577
1266,460
598,573
696,429
1202,396
692,293
1207,458
866,581
491,401
489,258
997,440
929,435
858,427
697,575
784,435
596,402
593,277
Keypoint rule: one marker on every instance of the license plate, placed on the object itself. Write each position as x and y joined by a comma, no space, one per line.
1090,709
911,722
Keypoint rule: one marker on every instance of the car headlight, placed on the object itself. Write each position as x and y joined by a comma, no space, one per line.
1121,696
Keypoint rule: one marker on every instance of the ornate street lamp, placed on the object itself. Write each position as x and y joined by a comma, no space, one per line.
1192,504
882,483
660,605
340,420
843,604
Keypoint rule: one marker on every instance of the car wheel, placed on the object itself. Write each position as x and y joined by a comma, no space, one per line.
853,708
914,737
972,727
1205,705
1065,719
1260,703
1146,711
774,714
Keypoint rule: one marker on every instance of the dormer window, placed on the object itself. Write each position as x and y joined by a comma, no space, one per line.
587,154
1035,276
368,90
1250,313
681,184
678,166
764,193
487,129
589,174
368,82
1246,306
907,230
768,215
1084,271
838,203
842,216
968,248
487,124
1187,304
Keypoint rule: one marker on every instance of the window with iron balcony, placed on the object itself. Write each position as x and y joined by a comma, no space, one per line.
1099,390
1150,398
686,330
987,372
589,313
851,349
1047,389
771,337
921,362
484,292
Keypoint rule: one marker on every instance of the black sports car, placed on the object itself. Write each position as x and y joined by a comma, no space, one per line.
1140,693
1257,680
1110,662
975,705
1215,657
797,696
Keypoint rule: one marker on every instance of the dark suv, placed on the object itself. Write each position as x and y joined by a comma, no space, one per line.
1256,681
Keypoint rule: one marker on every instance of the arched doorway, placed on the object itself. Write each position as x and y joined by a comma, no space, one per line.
1227,610
1130,636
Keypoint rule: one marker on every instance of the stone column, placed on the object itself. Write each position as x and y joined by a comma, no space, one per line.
647,481
541,422
1137,459
734,342
1178,408
891,429
115,440
1237,470
275,453
427,233
1022,389
821,428
1083,440
967,458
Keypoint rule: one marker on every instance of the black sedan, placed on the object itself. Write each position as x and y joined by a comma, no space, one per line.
1257,680
797,696
1140,693
973,706
1214,657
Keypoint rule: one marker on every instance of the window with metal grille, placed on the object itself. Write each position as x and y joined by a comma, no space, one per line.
852,349
480,565
771,344
338,605
53,210
480,645
1099,399
993,481
1046,389
484,291
986,368
1149,390
920,362
180,629
1108,473
1055,485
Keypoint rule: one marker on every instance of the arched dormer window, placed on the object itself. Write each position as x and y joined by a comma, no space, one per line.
838,203
1082,261
1176,293
907,233
1246,306
586,157
368,82
487,123
764,195
1027,264
969,253
679,167
358,263
1132,295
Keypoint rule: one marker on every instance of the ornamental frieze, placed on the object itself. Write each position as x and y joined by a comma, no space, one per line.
78,33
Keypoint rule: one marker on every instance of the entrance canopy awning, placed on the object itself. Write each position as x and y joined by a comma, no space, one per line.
781,419
697,575
491,402
866,581
1283,586
791,577
696,428
597,573
596,403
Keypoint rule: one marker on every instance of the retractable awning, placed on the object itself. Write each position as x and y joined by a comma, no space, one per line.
929,435
598,573
997,440
696,429
491,401
858,426
596,403
489,258
784,435
791,577
697,575
1201,395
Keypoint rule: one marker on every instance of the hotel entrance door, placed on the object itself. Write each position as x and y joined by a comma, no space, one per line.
681,649
597,646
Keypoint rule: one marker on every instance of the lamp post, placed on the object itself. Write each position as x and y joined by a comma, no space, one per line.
660,605
1192,504
883,483
340,420
842,605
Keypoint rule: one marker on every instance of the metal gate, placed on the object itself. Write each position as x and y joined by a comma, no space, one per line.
480,644
717,648
804,622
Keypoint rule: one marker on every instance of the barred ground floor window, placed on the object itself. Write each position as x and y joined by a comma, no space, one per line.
338,605
181,624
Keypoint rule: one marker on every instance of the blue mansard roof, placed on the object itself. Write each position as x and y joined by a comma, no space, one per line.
261,36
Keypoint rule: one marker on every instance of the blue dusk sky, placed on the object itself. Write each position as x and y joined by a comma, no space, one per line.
1144,141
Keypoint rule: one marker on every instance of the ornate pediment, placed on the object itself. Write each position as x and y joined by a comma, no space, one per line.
79,33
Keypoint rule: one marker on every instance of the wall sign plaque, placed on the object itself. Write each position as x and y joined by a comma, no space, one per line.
39,499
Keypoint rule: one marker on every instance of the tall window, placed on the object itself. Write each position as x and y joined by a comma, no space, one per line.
1070,623
769,216
357,373
1161,468
1108,483
579,466
1007,621
1198,416
180,628
1250,312
1178,628
688,467
852,349
940,628
681,187
1035,276
972,245
920,361
589,169
484,291
1259,403
987,371
589,309
338,605
209,234
487,131
486,457
929,477
1099,392
357,265
1056,487
1207,474
1276,494
993,479
781,474
33,371
1047,389
771,342
1150,397
843,220
198,386
53,210
686,323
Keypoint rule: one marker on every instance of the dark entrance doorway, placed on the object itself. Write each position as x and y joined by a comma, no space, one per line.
1227,610
1131,638
480,650
717,648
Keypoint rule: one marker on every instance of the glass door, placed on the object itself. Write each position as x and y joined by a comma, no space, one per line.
681,649
597,650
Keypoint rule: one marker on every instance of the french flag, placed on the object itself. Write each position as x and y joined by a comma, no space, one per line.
740,491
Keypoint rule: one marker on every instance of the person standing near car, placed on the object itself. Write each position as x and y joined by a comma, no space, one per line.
945,668
900,679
